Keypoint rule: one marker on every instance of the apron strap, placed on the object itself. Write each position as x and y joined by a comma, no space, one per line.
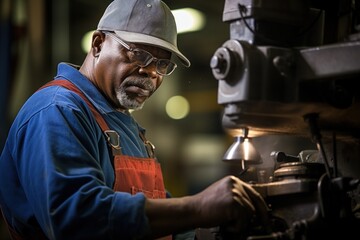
150,148
112,136
69,85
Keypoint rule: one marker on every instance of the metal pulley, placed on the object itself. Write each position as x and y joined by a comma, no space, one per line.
227,60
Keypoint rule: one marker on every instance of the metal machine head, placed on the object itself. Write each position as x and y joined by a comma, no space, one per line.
285,60
292,68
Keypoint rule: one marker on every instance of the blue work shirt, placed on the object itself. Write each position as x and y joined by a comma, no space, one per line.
56,169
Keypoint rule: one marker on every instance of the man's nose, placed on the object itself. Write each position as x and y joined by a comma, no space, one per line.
149,70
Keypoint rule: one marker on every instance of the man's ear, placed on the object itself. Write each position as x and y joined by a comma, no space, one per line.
98,39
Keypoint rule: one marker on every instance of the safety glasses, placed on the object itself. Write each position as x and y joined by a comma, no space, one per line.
143,58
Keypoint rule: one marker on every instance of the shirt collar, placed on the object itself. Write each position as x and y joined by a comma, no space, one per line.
71,73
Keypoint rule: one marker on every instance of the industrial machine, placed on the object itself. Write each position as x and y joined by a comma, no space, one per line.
289,78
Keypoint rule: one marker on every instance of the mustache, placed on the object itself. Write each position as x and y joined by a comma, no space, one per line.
143,83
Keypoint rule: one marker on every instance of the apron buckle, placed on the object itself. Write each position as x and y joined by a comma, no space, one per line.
113,138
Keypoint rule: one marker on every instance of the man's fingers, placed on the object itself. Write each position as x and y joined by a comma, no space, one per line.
243,201
244,189
261,207
253,200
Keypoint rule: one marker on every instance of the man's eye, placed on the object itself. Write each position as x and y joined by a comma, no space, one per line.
162,64
134,56
137,53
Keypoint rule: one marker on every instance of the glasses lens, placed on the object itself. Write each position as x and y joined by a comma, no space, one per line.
165,67
141,57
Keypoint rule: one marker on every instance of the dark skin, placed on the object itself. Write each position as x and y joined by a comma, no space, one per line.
229,201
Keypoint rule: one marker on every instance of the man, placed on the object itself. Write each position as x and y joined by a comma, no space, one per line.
76,165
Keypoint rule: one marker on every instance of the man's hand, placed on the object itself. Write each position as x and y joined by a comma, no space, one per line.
232,202
228,202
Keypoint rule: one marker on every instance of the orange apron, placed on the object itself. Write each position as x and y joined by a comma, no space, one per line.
132,174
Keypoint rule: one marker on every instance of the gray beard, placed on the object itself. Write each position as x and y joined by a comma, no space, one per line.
126,102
